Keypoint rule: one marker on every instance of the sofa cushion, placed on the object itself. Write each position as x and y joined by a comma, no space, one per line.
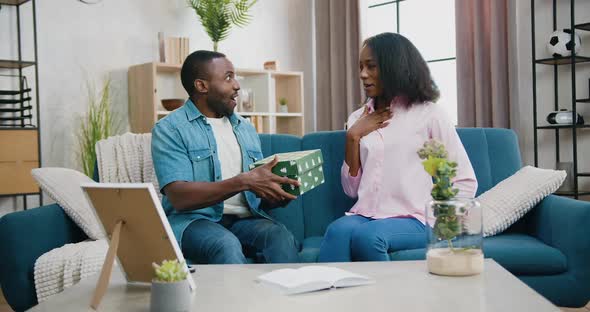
519,253
63,186
26,236
292,215
493,153
310,249
327,202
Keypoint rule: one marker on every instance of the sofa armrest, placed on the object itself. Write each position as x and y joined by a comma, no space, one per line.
563,223
26,235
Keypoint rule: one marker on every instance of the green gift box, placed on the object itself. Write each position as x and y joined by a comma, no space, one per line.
303,166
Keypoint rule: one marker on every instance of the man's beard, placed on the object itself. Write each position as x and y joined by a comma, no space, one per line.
219,107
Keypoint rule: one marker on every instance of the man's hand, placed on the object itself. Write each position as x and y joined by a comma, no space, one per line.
368,123
267,185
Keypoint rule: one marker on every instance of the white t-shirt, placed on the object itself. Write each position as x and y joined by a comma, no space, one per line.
230,157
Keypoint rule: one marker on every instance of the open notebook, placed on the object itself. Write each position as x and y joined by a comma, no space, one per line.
311,278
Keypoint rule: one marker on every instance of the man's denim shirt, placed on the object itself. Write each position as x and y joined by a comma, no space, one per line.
184,149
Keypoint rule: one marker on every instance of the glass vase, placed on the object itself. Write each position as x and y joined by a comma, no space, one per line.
454,237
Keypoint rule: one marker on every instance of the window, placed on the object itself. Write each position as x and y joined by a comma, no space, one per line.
430,25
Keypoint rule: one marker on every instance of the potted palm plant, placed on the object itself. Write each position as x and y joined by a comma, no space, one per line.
455,238
170,287
218,16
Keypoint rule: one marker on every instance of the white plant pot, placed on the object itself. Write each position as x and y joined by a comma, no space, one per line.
170,297
283,109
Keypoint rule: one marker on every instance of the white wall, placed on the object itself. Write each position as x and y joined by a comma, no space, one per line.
78,42
523,92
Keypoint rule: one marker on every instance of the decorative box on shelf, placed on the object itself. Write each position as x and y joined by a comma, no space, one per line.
303,166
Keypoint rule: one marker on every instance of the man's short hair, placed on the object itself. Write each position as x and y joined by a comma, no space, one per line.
195,67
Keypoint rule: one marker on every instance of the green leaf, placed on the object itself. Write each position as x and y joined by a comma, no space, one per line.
170,271
218,16
431,165
98,123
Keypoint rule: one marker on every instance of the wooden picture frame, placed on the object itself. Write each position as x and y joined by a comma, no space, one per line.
137,230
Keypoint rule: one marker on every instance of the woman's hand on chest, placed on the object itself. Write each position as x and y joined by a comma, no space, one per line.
369,122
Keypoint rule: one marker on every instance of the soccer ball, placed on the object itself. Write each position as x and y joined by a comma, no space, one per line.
560,43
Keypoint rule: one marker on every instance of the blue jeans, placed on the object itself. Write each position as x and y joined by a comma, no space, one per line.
207,242
358,238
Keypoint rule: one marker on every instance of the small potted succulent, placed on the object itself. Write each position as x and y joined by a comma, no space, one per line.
454,233
283,108
170,287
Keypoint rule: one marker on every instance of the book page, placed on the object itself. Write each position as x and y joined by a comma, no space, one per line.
335,276
285,278
291,281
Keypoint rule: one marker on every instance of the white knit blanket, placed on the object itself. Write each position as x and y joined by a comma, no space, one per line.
65,266
126,158
121,159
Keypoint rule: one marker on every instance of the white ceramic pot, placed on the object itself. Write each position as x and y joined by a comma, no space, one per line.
170,297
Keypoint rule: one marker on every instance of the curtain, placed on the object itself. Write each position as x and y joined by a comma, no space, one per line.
483,79
338,91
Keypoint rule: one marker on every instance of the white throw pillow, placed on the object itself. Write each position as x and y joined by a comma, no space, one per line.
512,198
63,186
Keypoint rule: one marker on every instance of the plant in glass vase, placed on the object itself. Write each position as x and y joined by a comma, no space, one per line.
455,241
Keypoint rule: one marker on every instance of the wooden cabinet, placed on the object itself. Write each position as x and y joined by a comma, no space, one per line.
151,82
19,103
18,156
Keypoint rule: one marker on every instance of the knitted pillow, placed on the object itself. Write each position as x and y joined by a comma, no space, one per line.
512,198
63,186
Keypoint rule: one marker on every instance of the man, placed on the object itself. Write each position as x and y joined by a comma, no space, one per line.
201,154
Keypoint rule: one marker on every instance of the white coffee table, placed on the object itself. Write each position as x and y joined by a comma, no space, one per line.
400,286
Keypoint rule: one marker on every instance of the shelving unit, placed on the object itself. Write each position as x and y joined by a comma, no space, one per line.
19,115
151,82
573,60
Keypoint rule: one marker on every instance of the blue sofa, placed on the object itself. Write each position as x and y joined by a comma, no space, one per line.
548,249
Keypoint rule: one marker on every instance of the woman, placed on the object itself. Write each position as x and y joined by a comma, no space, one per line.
382,167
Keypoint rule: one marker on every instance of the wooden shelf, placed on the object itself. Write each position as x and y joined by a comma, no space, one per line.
20,150
270,114
583,100
286,74
150,82
583,174
585,26
168,68
250,72
13,2
563,60
9,64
